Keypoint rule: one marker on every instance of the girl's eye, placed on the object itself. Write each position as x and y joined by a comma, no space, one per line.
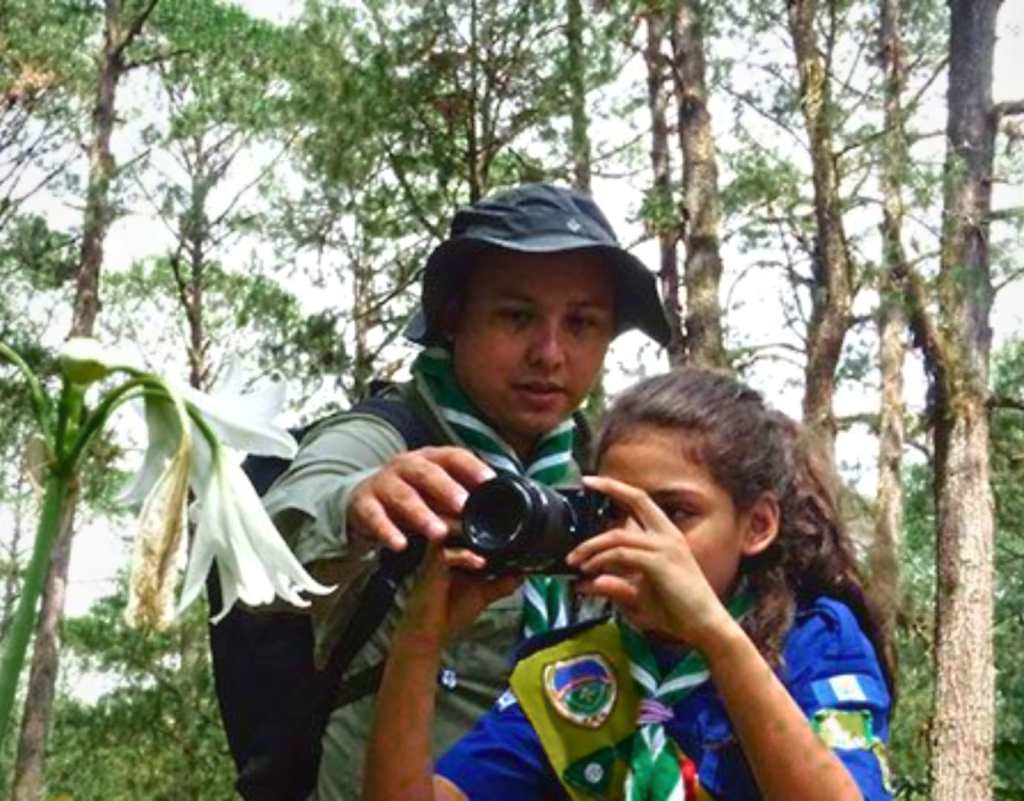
680,516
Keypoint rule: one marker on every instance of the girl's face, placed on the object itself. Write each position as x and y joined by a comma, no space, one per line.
655,460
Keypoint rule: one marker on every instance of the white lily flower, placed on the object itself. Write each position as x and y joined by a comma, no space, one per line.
253,561
242,422
156,557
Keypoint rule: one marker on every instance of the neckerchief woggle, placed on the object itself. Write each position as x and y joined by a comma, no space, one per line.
546,598
654,772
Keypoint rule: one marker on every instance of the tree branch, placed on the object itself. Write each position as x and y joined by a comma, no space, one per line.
1012,213
1008,108
996,402
159,58
134,28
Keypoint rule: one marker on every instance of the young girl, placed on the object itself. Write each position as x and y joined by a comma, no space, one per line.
745,660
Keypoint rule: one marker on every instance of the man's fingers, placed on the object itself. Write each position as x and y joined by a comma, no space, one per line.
420,492
369,517
461,464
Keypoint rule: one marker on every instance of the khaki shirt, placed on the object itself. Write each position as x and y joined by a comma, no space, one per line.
308,504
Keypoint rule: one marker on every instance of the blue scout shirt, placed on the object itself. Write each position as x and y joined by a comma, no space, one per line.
829,665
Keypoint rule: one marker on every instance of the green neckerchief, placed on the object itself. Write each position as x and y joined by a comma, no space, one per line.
546,597
654,773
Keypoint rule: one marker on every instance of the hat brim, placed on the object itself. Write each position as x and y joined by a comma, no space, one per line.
637,304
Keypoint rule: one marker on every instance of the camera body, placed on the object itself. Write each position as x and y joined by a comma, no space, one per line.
521,526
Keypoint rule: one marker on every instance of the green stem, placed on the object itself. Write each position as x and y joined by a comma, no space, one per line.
57,490
94,422
40,404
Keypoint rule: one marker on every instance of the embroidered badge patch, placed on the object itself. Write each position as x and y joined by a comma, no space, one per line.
582,690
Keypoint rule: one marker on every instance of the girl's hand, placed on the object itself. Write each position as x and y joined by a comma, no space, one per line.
449,595
646,566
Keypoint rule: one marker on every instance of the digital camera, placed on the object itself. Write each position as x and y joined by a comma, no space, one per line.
521,526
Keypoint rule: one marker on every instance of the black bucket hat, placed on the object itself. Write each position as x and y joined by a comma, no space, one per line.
536,218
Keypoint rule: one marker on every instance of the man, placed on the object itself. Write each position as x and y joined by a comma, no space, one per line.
518,307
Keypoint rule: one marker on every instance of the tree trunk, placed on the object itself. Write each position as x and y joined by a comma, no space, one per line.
892,326
662,214
98,213
578,97
830,294
701,207
118,34
963,725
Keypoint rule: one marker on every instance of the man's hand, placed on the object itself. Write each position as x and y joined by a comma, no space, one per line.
417,492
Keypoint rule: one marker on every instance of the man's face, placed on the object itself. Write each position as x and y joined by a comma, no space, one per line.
531,336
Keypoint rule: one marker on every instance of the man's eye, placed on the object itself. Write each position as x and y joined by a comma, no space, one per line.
585,323
517,316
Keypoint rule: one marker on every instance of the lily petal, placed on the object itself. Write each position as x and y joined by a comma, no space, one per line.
253,561
244,422
163,431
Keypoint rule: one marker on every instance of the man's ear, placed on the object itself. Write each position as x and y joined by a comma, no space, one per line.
450,317
762,525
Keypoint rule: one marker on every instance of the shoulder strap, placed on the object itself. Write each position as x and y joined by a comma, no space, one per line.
281,764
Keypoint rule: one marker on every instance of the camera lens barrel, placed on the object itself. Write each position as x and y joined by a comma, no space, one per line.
519,525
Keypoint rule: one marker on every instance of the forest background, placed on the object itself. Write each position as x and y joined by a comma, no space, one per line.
828,190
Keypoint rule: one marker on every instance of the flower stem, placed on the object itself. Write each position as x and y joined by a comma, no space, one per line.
16,644
40,404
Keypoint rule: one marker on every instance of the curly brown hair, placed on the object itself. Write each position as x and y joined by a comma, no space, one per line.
750,449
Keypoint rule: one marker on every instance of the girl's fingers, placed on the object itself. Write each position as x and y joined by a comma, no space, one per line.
629,535
636,501
500,587
617,589
463,559
621,559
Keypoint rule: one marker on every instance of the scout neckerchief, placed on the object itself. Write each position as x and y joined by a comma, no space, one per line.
654,773
546,597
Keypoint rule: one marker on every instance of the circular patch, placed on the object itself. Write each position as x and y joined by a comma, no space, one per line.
582,690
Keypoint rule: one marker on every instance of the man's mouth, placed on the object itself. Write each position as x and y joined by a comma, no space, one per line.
539,388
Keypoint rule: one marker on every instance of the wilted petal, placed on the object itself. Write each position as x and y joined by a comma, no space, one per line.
157,545
38,458
84,360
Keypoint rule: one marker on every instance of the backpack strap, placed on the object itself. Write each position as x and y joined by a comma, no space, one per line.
277,748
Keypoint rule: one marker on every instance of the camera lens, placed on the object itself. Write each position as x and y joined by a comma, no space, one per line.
496,514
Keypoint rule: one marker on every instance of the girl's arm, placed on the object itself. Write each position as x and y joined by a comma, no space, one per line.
788,759
399,761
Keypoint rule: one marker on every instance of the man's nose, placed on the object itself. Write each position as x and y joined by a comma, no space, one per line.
546,346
